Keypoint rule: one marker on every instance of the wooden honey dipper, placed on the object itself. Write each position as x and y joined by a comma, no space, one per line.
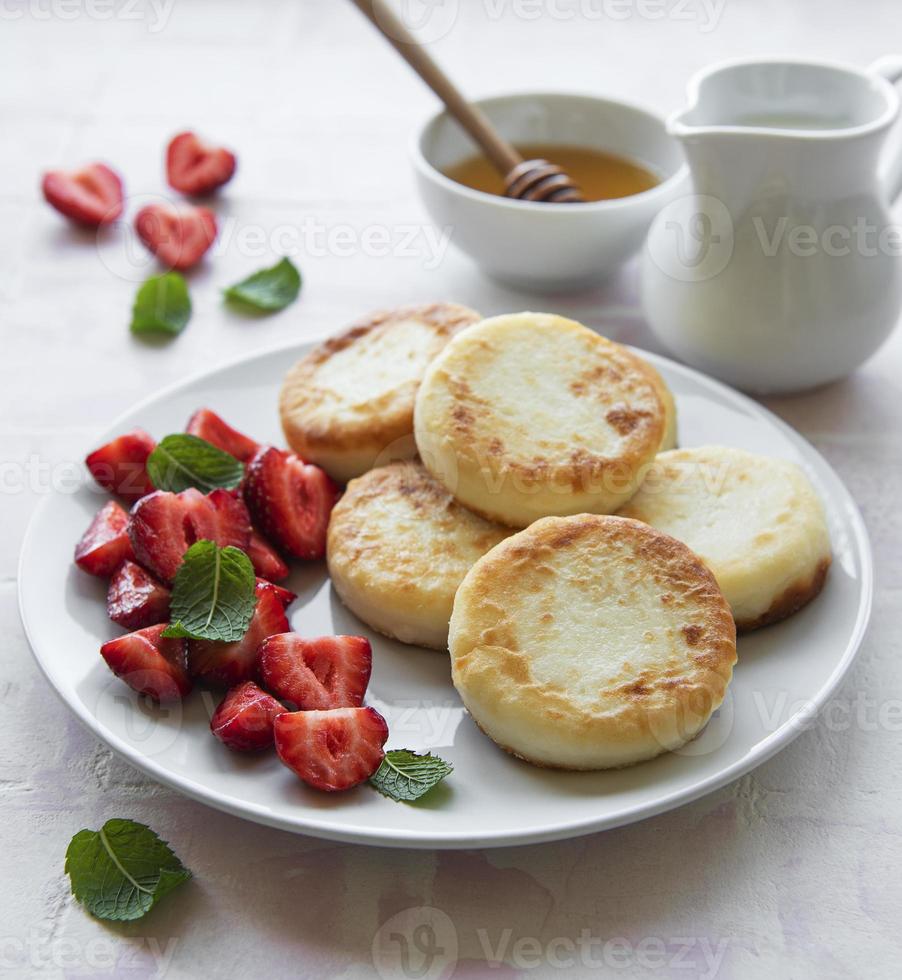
526,180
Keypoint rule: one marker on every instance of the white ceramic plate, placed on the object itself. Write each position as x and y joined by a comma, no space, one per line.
784,672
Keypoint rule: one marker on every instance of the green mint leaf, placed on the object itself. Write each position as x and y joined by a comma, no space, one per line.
162,305
181,461
213,595
122,870
269,289
404,775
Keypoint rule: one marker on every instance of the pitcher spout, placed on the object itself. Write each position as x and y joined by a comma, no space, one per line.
755,129
791,100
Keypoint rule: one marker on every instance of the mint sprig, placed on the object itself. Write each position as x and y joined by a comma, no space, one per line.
213,595
404,775
269,289
122,870
162,305
181,461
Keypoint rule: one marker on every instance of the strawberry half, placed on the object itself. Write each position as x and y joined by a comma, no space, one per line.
120,466
266,560
208,425
135,598
285,596
244,719
332,750
326,672
105,544
227,664
91,196
178,236
194,167
164,525
290,501
150,663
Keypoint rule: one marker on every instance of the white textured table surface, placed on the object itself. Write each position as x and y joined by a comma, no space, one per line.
794,871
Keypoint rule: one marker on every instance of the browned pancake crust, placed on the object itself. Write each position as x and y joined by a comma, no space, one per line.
490,655
389,421
790,601
398,546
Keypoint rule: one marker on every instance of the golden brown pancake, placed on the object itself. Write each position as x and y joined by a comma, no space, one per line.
528,415
590,642
348,404
399,545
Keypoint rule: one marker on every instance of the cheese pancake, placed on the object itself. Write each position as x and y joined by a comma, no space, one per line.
755,521
591,642
348,404
398,546
529,415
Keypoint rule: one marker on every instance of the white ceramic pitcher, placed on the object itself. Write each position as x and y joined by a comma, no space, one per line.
781,269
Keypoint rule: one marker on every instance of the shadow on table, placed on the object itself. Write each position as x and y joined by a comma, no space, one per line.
634,898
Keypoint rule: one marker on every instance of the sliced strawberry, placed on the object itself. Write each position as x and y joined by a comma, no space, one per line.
285,596
178,236
332,750
119,466
290,501
91,196
320,673
105,544
244,719
267,562
150,663
135,598
164,525
194,167
227,664
208,425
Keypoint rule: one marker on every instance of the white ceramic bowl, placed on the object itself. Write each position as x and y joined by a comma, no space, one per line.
545,246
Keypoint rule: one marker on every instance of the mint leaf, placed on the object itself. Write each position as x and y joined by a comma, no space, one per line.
122,870
181,461
269,289
162,305
404,775
213,595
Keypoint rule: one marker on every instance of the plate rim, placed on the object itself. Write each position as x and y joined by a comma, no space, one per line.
781,737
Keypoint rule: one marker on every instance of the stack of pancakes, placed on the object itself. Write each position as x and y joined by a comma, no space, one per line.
486,458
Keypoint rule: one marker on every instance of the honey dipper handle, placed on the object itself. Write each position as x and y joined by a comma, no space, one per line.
474,121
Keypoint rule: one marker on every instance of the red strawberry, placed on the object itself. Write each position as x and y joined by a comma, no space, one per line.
326,672
164,525
244,719
208,425
119,466
266,560
193,167
285,596
178,236
91,196
227,664
105,544
332,750
135,598
290,501
150,663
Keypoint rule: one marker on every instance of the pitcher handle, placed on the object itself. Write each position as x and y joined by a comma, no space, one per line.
890,68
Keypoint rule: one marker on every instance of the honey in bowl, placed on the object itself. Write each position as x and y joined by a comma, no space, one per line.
601,176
